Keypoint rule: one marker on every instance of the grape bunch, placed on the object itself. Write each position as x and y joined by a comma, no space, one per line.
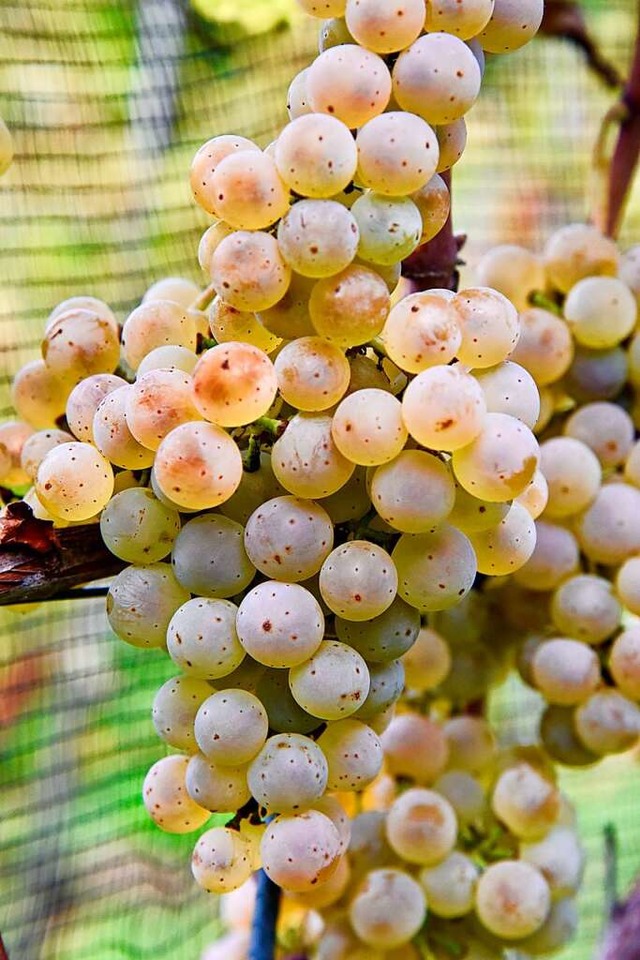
581,648
476,838
328,494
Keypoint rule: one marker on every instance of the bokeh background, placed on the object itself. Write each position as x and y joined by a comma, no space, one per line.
107,102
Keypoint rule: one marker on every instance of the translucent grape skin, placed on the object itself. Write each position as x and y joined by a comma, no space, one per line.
382,638
422,826
136,527
205,161
288,774
389,228
280,624
624,662
249,272
156,323
512,24
444,409
512,899
489,324
450,885
230,727
351,307
565,671
198,466
349,83
318,238
84,399
312,373
141,602
375,26
174,710
209,559
398,153
166,799
316,155
306,461
415,747
37,446
202,639
247,191
353,753
156,403
435,570
433,200
437,77
525,801
332,683
288,538
216,788
388,909
300,852
221,860
500,462
414,492
421,331
358,580
234,384
368,428
427,662
39,396
505,548
74,481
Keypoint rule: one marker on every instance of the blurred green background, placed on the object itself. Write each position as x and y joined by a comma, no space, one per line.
107,103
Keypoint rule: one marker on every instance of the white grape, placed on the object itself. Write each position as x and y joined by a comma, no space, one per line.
316,155
512,899
397,153
174,710
233,384
318,238
436,569
505,548
388,909
248,271
358,580
230,727
512,24
422,826
349,83
414,492
221,860
422,331
306,460
280,624
444,409
450,886
312,373
415,747
353,753
332,683
437,77
499,463
288,538
300,852
382,638
389,227
209,558
74,481
198,466
141,602
216,788
288,774
202,638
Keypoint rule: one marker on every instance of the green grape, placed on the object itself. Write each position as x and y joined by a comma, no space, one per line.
358,580
289,317
388,908
80,343
301,851
316,154
509,388
565,671
221,860
436,569
216,788
38,395
157,323
197,466
624,662
383,638
141,602
353,752
205,162
288,774
422,826
414,492
545,347
462,18
297,99
466,795
427,662
472,515
280,624
168,358
444,409
505,548
560,739
489,324
351,501
333,32
36,447
247,192
500,462
390,227
608,723
376,26
233,384
332,683
367,427
385,689
136,527
74,481
525,801
318,238
450,886
227,324
397,154
512,24
437,77
433,200
306,461
351,307
166,800
555,557
512,899
422,331
248,271
230,727
415,747
604,427
209,559
84,400
597,374
312,373
349,83
202,638
600,311
174,710
288,538
585,607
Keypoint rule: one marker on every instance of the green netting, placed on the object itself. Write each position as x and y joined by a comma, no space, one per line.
107,102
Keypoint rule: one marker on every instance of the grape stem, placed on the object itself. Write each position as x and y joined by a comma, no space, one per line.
435,263
265,918
624,161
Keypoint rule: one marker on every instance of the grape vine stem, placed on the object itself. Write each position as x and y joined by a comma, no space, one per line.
624,161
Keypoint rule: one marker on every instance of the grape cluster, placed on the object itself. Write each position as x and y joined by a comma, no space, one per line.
581,650
329,496
476,838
